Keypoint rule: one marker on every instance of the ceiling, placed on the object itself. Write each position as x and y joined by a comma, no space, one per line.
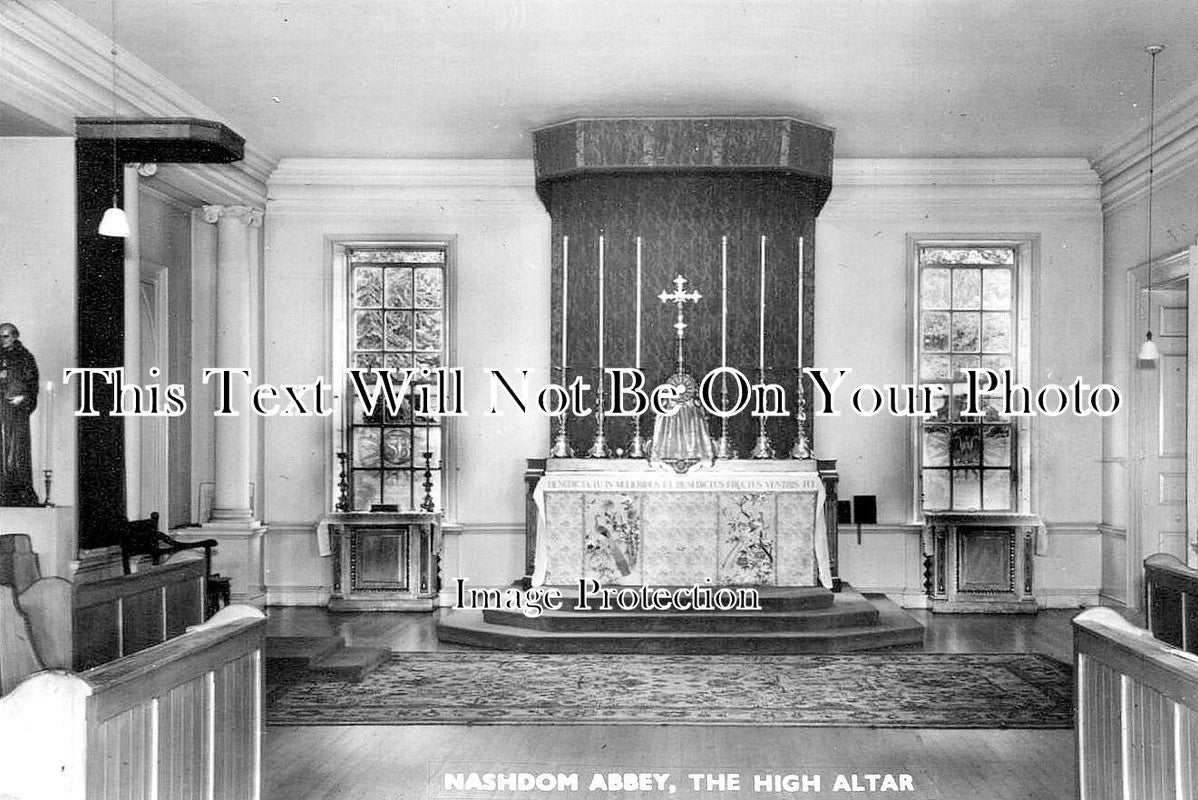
473,78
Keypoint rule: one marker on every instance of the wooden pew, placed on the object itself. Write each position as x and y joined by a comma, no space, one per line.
119,616
179,719
1137,712
1171,601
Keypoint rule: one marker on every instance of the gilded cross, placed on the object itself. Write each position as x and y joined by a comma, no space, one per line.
679,297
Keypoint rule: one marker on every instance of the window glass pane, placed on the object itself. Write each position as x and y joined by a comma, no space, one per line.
992,409
368,286
935,331
397,447
397,489
941,401
428,288
996,289
964,362
366,489
997,490
368,330
366,447
996,332
429,361
398,361
967,288
967,494
399,287
935,368
967,255
399,330
935,446
966,445
935,489
996,363
997,445
428,330
935,288
368,361
966,332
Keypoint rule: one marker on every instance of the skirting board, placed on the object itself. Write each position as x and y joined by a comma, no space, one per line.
298,595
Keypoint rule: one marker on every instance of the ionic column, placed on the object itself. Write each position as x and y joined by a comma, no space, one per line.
234,262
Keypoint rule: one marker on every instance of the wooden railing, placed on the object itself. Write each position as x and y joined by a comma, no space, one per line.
119,616
1171,595
1137,712
182,719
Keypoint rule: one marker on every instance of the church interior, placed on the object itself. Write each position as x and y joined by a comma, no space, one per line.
323,328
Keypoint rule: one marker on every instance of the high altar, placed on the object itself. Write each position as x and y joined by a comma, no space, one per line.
625,523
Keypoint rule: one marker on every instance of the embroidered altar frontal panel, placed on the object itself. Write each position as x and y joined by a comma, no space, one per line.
663,529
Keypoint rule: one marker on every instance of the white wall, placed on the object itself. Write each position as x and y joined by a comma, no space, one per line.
500,234
37,283
1175,227
863,320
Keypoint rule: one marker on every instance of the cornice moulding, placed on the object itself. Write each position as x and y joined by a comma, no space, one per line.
1050,173
382,172
65,71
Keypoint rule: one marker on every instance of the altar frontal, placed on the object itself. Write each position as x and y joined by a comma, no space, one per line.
760,526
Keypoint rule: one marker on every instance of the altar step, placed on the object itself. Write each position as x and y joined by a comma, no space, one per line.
849,622
287,656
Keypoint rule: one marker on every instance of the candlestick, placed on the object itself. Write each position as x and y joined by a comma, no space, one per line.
48,427
636,448
761,315
801,448
601,312
723,446
638,302
565,299
561,443
599,445
800,357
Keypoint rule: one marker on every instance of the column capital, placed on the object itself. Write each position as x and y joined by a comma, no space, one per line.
246,215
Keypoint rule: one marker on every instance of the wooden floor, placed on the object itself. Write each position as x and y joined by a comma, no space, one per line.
410,762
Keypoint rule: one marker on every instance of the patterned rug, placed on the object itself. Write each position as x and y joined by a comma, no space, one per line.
870,690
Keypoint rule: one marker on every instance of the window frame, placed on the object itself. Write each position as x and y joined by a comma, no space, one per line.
339,316
1025,274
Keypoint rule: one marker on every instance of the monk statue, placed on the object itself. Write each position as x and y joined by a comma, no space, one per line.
18,399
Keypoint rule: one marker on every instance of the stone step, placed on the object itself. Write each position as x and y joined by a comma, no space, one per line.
350,663
772,599
849,614
893,628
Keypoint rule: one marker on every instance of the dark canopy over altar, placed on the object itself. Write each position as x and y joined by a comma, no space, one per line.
691,190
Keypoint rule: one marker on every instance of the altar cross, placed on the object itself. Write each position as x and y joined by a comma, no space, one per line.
679,297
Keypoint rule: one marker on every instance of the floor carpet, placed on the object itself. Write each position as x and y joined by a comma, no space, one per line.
871,690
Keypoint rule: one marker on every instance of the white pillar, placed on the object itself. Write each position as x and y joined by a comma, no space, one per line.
234,263
239,535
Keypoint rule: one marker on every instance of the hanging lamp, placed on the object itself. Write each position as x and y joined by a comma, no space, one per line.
1148,350
114,222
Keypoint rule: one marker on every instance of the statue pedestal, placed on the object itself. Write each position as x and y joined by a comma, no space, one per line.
52,534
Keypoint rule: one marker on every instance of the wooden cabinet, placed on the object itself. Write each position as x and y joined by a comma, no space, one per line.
385,561
980,562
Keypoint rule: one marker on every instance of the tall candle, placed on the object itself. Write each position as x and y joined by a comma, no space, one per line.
601,310
638,302
48,427
565,299
761,315
800,304
724,302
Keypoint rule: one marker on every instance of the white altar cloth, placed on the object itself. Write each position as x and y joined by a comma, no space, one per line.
740,522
